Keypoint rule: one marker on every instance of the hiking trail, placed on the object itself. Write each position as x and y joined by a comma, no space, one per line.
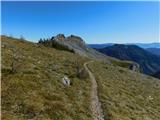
95,104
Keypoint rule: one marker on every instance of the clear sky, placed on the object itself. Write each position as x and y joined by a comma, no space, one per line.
95,22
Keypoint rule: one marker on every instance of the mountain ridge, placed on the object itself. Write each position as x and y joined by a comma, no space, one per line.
77,45
148,62
155,51
142,45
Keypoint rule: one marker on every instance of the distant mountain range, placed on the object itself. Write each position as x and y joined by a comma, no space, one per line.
149,63
155,51
100,45
142,45
148,45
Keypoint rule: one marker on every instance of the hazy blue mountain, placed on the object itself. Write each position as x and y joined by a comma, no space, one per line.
100,45
148,45
149,63
155,51
142,45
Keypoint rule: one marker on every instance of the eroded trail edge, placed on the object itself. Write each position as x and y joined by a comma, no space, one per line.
95,104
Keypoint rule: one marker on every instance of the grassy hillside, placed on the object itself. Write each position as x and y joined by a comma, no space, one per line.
35,90
32,86
127,95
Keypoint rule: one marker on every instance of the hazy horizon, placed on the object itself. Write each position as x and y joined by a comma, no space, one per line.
96,22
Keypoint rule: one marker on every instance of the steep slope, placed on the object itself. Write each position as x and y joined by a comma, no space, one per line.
35,90
33,86
149,63
126,95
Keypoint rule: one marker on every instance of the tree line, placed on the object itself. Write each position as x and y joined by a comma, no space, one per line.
52,42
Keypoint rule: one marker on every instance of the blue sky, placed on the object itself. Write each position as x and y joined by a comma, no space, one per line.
95,22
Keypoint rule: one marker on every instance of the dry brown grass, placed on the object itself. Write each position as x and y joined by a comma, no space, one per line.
35,90
127,95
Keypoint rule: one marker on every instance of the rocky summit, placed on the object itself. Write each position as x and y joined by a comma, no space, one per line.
74,44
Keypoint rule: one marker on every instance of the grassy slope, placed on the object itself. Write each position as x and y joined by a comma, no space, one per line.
126,95
36,90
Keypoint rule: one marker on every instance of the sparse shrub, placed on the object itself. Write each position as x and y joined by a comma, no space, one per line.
83,74
121,71
6,70
55,44
106,67
15,60
40,41
80,72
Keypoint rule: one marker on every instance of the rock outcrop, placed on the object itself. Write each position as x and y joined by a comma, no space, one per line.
135,67
66,81
73,44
